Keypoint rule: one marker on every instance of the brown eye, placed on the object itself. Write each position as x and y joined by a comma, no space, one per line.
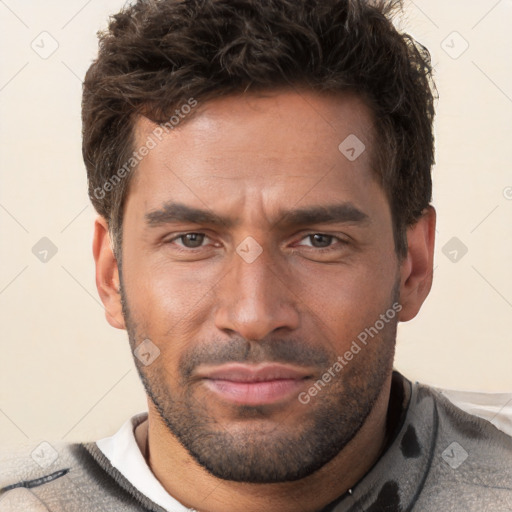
319,240
192,240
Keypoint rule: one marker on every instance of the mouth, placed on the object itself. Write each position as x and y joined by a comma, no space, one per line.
254,384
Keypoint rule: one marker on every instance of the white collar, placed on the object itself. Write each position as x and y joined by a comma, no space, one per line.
125,455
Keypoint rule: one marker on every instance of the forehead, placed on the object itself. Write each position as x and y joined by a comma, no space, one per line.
285,140
283,121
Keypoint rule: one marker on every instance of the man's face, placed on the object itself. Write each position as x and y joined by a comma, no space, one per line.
249,313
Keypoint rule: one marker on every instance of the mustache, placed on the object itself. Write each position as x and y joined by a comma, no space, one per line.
239,350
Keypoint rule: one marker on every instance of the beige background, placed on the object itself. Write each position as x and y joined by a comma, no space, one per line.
66,374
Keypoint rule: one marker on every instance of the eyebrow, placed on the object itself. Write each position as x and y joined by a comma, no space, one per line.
173,212
328,214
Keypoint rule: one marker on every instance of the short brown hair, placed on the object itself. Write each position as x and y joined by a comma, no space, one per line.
157,53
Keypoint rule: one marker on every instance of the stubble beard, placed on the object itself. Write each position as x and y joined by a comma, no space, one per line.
256,448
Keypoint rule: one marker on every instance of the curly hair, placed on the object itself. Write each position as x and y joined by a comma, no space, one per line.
157,53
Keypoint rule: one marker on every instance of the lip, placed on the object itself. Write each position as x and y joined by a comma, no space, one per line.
237,372
254,385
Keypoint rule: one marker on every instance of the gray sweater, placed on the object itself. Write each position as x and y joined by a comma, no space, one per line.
439,458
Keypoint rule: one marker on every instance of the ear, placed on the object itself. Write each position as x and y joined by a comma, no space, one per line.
417,268
107,274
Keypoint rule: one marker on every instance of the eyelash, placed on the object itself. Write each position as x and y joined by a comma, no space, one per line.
317,249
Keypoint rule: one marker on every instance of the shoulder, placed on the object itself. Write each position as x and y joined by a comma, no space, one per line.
27,469
477,433
471,459
29,462
60,476
70,477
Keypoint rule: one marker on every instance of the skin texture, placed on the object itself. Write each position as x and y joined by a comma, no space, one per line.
248,159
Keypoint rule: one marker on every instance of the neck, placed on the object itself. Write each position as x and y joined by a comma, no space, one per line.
196,488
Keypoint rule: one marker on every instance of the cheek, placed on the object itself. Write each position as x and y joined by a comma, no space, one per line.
181,290
343,300
169,302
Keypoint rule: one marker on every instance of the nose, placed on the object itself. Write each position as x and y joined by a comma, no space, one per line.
254,299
